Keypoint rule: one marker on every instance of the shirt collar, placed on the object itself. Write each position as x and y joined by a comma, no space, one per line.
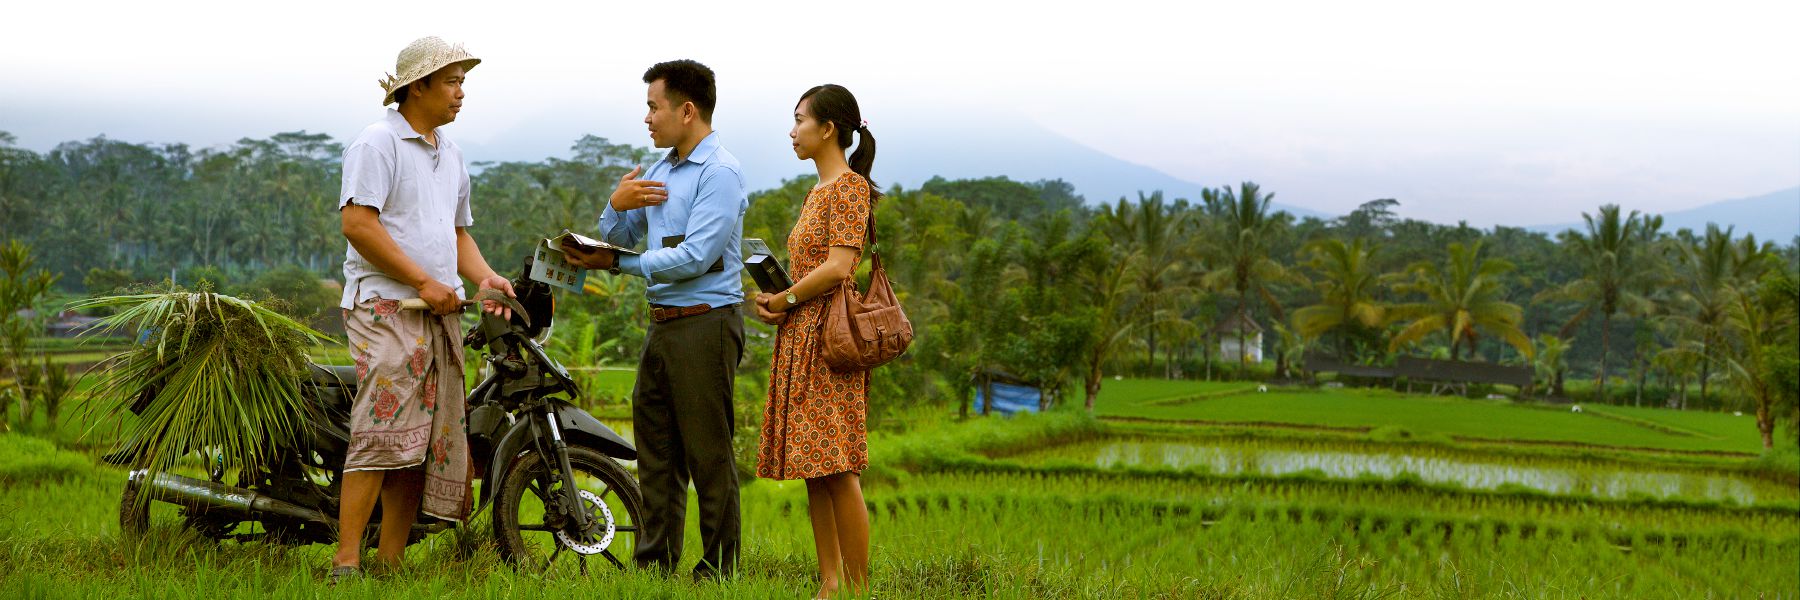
401,127
702,151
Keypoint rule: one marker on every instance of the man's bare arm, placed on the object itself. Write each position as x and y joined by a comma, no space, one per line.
361,225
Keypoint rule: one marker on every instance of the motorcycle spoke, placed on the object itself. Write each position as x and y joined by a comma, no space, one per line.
625,528
609,556
583,562
535,527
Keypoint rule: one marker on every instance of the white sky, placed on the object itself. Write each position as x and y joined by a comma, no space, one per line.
1519,112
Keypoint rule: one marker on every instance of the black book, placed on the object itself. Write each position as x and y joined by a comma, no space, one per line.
764,268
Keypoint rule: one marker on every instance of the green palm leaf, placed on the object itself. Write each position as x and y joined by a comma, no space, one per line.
219,373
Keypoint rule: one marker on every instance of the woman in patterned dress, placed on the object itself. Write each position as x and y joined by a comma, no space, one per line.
813,428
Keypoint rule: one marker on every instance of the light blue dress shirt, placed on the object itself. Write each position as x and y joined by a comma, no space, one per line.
706,206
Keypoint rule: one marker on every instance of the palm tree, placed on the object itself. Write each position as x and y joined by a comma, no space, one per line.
1466,295
1617,265
1551,362
1242,230
1765,324
1114,287
1151,229
1347,287
1711,268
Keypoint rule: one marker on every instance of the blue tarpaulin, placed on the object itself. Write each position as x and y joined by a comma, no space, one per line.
1009,398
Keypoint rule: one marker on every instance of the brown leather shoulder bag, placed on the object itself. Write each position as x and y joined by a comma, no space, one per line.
866,332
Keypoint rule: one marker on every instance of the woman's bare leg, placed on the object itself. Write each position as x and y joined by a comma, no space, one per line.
825,537
851,520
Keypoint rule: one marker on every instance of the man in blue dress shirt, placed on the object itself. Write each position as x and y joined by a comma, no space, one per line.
688,210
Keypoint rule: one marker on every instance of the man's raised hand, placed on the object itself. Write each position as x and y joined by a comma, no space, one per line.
634,193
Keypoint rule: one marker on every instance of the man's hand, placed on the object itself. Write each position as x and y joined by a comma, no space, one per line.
634,193
442,299
598,259
764,314
496,282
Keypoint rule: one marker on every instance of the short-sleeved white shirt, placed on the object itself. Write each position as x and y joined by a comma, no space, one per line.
422,193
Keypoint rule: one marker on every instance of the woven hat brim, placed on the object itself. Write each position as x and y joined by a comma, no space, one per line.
468,65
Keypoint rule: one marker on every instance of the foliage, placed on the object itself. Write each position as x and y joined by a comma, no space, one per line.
1462,297
1349,292
1619,267
219,373
23,288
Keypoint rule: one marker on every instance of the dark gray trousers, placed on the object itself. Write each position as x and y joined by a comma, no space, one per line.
682,416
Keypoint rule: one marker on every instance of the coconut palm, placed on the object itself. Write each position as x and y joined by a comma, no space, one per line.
1765,324
1551,361
1464,296
1241,231
1347,285
1113,284
1151,232
1617,267
1711,268
221,373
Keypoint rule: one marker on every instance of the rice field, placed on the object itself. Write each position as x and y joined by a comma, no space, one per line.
1181,490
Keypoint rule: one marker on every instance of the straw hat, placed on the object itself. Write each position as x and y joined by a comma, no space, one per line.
423,57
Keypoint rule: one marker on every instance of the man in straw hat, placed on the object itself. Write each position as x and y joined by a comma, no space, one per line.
688,210
405,212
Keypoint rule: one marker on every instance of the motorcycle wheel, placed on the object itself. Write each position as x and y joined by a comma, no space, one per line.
526,530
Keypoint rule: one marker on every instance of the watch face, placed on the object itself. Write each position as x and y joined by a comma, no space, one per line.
792,299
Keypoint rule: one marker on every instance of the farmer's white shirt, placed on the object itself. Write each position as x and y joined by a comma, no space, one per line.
422,193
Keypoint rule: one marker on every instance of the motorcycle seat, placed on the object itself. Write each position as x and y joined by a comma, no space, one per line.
334,375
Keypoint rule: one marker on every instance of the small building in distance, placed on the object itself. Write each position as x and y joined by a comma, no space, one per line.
1228,331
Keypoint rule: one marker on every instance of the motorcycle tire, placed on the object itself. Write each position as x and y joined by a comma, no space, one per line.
521,521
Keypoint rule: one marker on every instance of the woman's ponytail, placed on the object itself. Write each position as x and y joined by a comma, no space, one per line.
862,161
831,103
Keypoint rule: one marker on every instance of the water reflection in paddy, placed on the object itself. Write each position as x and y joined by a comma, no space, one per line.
1598,478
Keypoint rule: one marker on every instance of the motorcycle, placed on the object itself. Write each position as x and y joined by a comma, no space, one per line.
550,470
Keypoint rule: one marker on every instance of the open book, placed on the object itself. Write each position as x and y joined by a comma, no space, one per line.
549,264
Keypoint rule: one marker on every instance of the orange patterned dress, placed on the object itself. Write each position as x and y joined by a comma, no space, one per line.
815,422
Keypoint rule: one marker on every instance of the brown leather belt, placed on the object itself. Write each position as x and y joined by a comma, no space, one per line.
660,313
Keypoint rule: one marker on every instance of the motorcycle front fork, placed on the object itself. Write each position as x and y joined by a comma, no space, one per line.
544,422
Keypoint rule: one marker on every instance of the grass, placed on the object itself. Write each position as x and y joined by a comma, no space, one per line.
1426,415
1013,508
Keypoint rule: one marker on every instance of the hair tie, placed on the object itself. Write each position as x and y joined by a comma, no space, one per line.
865,125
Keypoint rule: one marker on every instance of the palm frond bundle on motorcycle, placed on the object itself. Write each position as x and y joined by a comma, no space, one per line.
211,373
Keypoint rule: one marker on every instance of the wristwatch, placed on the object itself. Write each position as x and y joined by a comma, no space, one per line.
792,300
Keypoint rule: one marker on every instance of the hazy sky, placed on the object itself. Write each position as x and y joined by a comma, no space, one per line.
1518,112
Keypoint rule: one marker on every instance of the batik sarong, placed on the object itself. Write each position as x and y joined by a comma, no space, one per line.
409,404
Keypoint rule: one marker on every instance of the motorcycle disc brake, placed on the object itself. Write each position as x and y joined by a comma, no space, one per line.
605,516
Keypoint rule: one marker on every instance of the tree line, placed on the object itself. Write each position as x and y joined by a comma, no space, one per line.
1028,278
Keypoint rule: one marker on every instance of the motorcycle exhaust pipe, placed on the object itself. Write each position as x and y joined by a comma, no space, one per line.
206,495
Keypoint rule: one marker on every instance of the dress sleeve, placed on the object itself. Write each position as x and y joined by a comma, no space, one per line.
847,214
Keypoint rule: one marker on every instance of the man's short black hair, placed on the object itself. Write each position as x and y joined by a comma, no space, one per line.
405,91
688,81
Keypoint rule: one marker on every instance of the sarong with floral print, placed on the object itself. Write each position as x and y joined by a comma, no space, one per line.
409,400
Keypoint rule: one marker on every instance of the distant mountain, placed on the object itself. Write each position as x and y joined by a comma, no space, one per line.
1773,217
907,153
1026,152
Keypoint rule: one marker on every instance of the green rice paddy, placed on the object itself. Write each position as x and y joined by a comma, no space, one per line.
1176,490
